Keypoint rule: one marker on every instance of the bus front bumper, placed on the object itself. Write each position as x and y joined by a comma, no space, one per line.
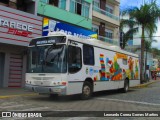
60,90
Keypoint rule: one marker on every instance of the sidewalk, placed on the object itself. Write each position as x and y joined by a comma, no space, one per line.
14,92
146,84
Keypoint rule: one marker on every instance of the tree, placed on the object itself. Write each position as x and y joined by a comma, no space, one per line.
146,16
155,52
125,36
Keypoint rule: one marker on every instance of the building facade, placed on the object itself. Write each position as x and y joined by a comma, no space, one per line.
105,20
99,16
75,12
18,25
70,16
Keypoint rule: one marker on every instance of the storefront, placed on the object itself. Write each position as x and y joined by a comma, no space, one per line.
17,28
155,69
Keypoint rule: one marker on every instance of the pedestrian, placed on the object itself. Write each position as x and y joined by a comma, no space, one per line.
155,75
152,75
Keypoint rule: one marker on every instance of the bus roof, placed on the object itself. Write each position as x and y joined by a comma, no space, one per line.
94,42
100,44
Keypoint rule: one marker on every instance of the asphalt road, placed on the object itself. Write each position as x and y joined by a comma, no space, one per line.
150,94
143,99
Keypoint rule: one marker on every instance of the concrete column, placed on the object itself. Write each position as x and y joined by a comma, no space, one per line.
36,7
24,70
67,5
90,10
116,33
6,69
116,10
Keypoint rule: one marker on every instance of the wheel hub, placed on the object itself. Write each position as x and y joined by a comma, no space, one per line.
86,90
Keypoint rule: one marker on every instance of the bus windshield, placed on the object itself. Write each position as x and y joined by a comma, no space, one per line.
47,59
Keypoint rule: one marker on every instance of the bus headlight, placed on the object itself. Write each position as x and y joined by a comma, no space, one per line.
64,83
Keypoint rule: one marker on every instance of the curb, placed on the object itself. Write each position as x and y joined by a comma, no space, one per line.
12,96
145,84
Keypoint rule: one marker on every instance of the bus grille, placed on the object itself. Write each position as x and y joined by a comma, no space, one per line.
43,78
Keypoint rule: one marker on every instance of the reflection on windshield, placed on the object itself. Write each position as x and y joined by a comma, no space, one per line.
48,59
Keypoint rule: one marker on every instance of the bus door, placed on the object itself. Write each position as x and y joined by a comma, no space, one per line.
75,61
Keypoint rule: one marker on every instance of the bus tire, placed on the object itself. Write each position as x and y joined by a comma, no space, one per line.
87,90
126,86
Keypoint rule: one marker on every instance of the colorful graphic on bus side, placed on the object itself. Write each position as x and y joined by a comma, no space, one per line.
112,70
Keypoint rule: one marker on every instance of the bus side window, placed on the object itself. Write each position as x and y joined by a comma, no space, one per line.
88,55
74,59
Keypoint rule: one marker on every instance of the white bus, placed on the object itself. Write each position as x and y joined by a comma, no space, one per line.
65,65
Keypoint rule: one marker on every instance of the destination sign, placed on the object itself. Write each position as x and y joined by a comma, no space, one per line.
45,42
48,40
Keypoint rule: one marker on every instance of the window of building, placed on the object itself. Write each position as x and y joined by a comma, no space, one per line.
26,6
72,6
62,4
13,4
109,33
4,1
80,7
109,9
54,2
96,3
74,59
85,9
88,55
76,6
58,3
45,1
95,28
22,5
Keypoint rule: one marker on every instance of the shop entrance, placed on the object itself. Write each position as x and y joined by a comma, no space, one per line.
15,70
1,68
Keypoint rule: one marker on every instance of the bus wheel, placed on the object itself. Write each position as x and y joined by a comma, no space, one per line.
126,86
87,91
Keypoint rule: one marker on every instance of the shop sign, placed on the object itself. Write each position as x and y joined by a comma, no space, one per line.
52,25
17,28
